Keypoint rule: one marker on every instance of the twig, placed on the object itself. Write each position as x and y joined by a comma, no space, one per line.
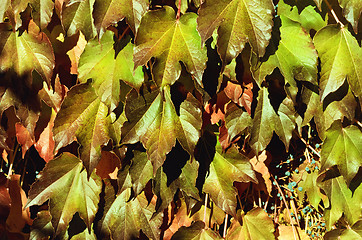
225,226
333,13
359,123
310,147
178,10
286,206
207,195
266,203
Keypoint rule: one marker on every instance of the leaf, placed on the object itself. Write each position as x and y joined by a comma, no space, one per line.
75,53
42,226
238,22
266,121
258,163
45,144
225,169
190,125
65,184
108,12
83,116
169,40
141,171
108,166
54,97
126,218
77,16
164,192
340,201
23,54
340,56
12,10
196,231
187,179
309,183
309,18
342,147
19,215
152,119
352,10
99,63
42,12
236,120
256,225
286,233
24,138
294,55
3,137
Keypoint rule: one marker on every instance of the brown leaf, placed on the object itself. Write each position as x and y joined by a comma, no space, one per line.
74,53
286,233
180,219
108,166
260,167
5,200
224,137
45,144
17,217
54,98
243,96
216,111
24,138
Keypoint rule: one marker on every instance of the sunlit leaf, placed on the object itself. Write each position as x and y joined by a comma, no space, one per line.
266,121
23,54
256,225
100,63
164,192
236,120
340,57
225,169
126,218
169,40
238,22
141,171
340,201
308,184
65,184
352,10
196,231
42,226
108,12
294,55
42,11
84,117
342,147
77,16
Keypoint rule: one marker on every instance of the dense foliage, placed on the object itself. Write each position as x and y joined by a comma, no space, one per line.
184,119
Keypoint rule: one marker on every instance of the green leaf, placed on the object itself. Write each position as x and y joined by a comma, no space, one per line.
152,120
169,40
238,22
189,129
163,191
23,54
187,179
340,57
294,55
42,12
141,171
83,116
196,231
108,12
236,120
65,184
12,9
98,62
42,226
225,169
77,16
256,225
309,18
352,10
126,218
340,200
309,183
266,121
342,147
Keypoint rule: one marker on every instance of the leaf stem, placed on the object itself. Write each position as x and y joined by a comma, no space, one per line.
333,13
310,147
286,206
178,10
206,197
225,226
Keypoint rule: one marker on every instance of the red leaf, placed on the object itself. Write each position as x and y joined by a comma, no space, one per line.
243,96
45,144
24,138
224,137
216,111
17,217
108,165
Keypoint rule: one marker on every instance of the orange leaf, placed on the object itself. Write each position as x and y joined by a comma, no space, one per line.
45,144
260,167
108,166
24,138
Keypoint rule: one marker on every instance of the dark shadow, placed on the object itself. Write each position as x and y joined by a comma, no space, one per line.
175,161
76,226
210,78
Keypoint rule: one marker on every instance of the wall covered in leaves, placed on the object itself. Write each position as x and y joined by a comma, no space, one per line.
186,119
